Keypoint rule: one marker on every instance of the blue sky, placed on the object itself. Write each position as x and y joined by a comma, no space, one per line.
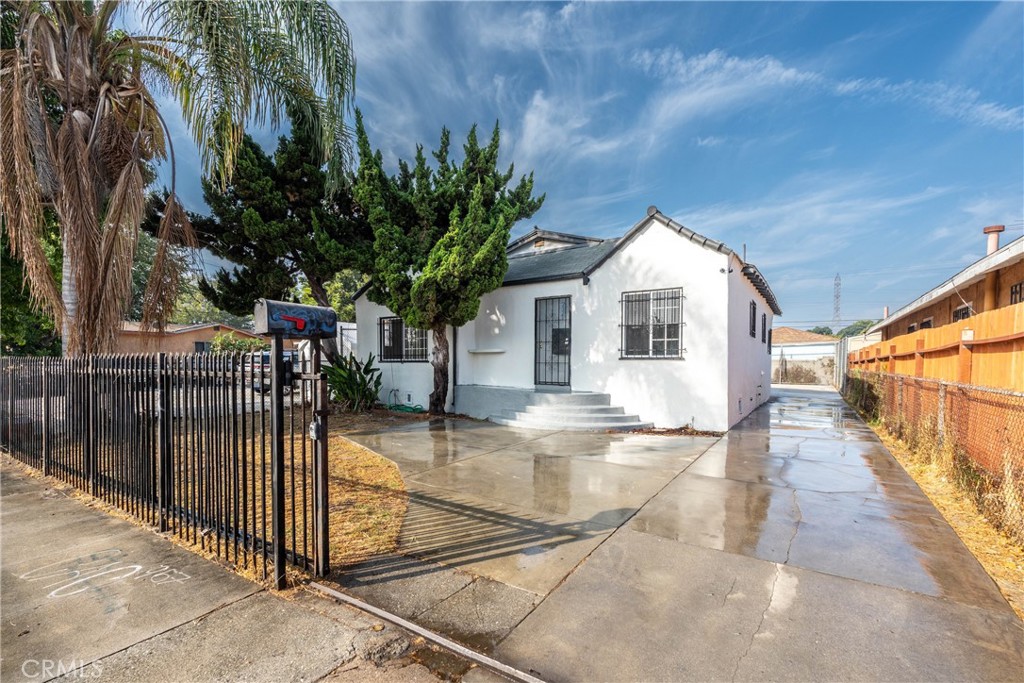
872,140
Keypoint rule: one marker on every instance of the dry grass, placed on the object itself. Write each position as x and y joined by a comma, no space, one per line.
367,502
998,553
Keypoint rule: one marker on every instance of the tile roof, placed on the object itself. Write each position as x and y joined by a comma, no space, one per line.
789,335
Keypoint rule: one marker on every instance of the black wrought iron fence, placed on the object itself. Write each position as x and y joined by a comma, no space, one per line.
185,443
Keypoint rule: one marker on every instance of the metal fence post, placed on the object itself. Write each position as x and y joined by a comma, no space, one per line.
9,376
164,417
46,417
277,457
90,414
321,503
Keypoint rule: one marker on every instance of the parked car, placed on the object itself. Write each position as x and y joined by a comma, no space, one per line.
253,363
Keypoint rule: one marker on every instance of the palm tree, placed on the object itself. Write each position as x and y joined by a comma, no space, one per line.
80,123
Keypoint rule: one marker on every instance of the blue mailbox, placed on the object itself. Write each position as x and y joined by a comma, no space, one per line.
295,320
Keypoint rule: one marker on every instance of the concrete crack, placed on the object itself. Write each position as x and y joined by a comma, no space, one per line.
729,592
796,527
764,615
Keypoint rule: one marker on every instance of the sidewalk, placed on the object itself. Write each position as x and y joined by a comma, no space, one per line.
88,595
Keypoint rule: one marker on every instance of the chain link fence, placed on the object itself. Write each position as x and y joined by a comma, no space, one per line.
975,434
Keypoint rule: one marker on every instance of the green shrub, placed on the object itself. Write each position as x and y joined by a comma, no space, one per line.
228,342
354,385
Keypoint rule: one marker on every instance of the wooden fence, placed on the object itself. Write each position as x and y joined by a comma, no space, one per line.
984,350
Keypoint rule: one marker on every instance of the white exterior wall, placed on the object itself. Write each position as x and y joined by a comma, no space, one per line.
805,350
668,392
750,364
703,388
410,382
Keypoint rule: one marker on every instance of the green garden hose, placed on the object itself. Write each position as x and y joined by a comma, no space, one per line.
402,408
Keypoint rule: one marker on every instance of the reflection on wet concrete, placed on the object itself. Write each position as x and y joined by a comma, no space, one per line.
804,482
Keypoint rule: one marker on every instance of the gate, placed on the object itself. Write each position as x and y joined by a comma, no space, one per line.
553,341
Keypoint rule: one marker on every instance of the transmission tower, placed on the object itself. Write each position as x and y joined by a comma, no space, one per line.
836,293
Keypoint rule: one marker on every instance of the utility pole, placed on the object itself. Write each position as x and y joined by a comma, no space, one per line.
836,292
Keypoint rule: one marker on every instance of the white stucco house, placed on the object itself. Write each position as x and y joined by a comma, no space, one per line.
661,326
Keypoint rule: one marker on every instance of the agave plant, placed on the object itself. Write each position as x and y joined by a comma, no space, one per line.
80,121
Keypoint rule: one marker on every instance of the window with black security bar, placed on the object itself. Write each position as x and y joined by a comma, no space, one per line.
652,324
753,320
764,327
401,344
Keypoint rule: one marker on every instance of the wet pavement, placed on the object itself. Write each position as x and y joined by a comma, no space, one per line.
794,547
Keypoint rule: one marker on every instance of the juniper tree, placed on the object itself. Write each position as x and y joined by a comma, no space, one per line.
440,235
275,221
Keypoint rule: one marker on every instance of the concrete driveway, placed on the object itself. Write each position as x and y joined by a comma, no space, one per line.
793,548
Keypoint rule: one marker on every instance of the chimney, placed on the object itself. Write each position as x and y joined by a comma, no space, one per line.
993,237
885,313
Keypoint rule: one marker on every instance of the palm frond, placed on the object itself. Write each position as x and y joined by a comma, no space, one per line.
21,210
117,254
250,60
164,278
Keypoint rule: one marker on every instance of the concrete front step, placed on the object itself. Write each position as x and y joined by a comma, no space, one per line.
556,398
561,425
575,410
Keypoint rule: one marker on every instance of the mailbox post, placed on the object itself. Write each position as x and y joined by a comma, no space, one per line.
283,320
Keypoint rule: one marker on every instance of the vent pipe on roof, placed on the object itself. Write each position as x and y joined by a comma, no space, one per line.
993,237
990,278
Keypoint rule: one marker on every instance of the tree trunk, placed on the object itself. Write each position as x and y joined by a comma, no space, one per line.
319,294
69,293
439,397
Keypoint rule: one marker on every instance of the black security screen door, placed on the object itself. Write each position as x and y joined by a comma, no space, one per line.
553,338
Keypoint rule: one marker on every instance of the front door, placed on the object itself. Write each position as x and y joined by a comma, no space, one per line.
553,341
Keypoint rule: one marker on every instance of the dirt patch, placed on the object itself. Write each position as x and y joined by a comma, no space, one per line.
675,431
1000,555
372,420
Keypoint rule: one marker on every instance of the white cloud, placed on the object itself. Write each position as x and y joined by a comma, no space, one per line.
708,84
709,141
953,102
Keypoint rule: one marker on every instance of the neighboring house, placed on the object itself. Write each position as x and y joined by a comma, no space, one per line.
174,339
802,357
992,282
662,326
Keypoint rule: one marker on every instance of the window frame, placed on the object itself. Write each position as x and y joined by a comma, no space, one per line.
764,327
673,301
405,332
1017,293
911,328
967,307
753,319
927,324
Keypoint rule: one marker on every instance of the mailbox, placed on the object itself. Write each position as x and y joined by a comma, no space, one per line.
295,320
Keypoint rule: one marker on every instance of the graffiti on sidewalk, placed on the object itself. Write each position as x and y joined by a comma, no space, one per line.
90,572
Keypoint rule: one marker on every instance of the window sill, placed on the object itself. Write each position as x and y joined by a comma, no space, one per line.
398,360
652,357
485,351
